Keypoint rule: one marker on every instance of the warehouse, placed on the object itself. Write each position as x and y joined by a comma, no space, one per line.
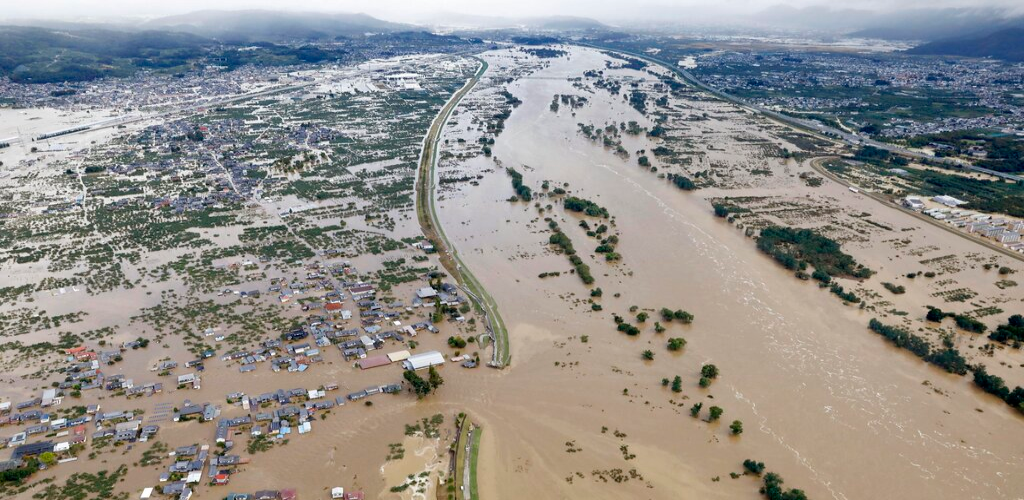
425,360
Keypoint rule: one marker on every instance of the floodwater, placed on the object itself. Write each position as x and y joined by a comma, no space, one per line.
825,403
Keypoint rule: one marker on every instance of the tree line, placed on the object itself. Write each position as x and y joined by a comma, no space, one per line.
562,241
948,358
522,190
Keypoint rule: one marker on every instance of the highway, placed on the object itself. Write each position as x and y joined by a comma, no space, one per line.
816,127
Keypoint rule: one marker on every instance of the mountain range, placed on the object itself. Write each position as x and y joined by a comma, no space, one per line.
900,24
263,25
1006,44
550,23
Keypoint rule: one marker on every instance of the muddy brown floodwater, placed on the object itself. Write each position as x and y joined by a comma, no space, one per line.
825,403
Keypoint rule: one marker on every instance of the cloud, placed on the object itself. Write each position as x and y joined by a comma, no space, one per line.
609,10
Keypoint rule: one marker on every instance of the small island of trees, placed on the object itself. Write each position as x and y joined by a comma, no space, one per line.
523,192
795,249
560,240
585,206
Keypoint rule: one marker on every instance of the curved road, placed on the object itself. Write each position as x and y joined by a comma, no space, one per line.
426,212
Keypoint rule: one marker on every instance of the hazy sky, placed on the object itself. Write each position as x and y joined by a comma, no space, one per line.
404,10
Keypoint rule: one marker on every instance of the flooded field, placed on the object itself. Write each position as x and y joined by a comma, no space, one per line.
825,403
188,245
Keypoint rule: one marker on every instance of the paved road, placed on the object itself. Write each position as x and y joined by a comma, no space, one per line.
467,490
819,128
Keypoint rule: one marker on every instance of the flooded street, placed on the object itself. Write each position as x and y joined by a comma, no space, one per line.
828,405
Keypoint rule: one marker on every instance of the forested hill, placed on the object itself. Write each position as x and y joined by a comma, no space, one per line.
1007,44
50,55
29,54
274,26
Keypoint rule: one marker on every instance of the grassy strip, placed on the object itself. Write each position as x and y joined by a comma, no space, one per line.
474,455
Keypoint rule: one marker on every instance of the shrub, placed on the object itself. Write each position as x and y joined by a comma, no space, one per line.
896,289
628,329
676,343
753,467
709,371
682,182
683,316
677,384
935,314
714,413
736,427
1012,331
970,324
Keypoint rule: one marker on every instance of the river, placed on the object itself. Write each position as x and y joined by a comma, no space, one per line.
825,403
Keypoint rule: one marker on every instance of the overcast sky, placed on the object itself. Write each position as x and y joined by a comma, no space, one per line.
406,10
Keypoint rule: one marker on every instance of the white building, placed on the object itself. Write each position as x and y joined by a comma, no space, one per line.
426,293
949,201
425,360
993,232
1009,237
913,203
50,398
